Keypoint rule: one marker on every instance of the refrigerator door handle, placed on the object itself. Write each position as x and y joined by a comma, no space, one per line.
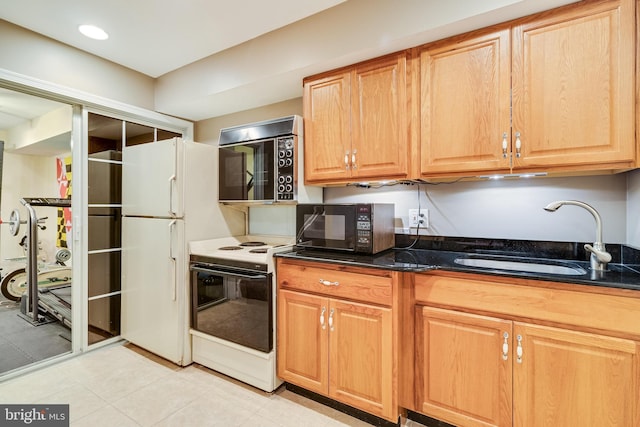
172,180
172,258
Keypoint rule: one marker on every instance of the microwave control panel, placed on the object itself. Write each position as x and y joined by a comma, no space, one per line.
363,227
286,169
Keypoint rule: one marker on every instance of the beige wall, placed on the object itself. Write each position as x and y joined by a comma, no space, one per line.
33,55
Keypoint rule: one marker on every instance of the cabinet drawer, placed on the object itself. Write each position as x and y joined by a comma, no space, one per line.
368,285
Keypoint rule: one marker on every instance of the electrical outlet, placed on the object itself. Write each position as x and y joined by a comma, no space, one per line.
418,218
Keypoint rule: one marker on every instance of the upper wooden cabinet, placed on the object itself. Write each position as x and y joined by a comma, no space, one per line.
356,123
551,92
573,87
465,105
327,128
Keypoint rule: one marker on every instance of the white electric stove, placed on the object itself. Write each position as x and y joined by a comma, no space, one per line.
234,304
251,248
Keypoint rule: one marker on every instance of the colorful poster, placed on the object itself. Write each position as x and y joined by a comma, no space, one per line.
63,168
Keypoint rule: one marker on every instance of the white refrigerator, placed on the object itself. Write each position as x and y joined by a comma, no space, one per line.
169,197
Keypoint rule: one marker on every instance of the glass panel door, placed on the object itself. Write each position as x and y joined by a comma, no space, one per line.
104,223
105,141
35,162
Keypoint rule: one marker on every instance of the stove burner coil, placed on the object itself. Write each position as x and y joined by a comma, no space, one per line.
230,248
253,244
258,251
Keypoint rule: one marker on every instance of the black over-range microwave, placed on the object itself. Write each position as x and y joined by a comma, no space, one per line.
258,161
365,228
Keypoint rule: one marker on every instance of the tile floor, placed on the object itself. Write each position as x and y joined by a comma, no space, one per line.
121,385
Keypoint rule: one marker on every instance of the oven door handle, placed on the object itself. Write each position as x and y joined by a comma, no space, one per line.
229,273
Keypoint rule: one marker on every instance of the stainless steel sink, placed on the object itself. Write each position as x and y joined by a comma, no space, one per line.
529,267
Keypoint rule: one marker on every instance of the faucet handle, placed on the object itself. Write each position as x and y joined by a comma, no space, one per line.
599,251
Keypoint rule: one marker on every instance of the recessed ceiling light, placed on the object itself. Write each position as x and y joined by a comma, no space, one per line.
93,32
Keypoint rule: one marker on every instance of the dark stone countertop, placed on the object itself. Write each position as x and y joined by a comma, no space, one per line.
431,253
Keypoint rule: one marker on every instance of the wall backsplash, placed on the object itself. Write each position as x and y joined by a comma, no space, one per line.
272,220
508,209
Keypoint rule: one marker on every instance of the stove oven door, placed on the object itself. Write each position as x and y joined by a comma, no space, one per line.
233,305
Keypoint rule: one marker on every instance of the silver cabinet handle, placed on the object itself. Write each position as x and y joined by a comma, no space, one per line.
518,144
505,346
329,283
346,160
331,320
505,145
519,349
353,159
322,318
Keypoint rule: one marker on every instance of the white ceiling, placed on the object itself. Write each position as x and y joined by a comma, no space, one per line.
158,36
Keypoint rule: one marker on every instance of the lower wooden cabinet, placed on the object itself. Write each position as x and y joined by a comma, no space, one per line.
570,378
483,351
481,370
335,347
302,342
462,376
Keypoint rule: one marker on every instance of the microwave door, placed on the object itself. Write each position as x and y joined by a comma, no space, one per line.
327,226
247,171
259,173
340,227
233,175
264,170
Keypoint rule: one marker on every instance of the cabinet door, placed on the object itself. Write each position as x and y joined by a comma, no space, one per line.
327,128
302,341
361,362
379,119
573,87
568,378
465,105
462,376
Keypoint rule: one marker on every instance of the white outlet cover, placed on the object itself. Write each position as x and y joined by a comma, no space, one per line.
415,215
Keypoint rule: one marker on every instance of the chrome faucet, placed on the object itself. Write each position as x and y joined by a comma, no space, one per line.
599,255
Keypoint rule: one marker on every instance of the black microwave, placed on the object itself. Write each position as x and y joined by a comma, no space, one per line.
257,161
365,228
